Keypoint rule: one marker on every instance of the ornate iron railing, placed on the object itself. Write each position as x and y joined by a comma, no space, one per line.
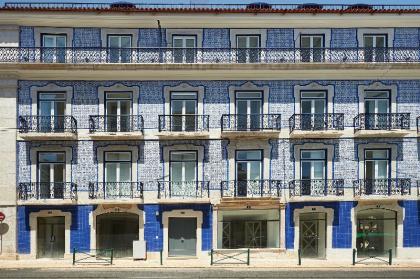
163,55
386,187
47,124
316,187
251,122
382,121
183,189
316,122
47,190
251,188
115,190
116,123
183,123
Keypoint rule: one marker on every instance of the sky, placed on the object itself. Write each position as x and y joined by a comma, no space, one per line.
381,2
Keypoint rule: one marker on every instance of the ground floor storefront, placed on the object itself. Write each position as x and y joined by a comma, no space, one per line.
315,230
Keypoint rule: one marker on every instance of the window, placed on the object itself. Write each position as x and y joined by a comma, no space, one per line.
376,170
377,107
183,166
119,48
313,106
51,111
312,48
184,49
248,110
183,111
248,48
248,170
117,167
53,48
375,47
118,111
313,171
51,174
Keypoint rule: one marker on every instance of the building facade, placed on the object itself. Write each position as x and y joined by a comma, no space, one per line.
269,128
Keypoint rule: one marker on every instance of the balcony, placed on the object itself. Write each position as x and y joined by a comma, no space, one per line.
316,125
37,127
116,126
251,125
316,187
31,192
100,55
382,124
113,191
251,189
183,126
382,187
180,190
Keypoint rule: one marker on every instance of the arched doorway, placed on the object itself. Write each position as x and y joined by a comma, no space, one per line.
117,230
376,231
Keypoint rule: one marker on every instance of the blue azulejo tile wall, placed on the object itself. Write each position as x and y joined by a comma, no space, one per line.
411,223
342,224
153,226
79,229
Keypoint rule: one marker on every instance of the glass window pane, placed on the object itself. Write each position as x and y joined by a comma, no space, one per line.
125,41
368,41
111,172
242,107
241,171
52,96
190,107
125,107
190,171
319,106
111,108
183,156
177,42
176,106
241,42
382,106
382,169
376,94
125,172
184,95
319,169
313,94
317,42
51,157
118,95
59,108
176,171
44,173
306,170
44,108
305,42
248,95
380,41
254,42
113,42
117,156
313,154
255,170
249,155
48,41
376,154
190,43
59,172
255,107
369,106
61,41
369,170
306,106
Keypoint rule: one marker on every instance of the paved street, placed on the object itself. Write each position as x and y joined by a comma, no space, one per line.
107,272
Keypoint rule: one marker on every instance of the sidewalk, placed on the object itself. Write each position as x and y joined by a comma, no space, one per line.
191,263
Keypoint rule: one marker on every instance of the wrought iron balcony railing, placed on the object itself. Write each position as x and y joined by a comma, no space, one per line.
47,190
183,189
115,123
251,122
382,121
47,124
183,123
115,190
385,187
316,122
316,187
98,55
251,188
